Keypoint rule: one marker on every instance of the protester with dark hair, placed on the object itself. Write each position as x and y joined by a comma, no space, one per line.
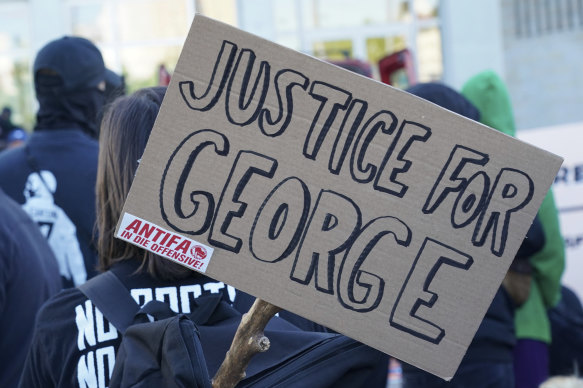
75,344
489,359
127,128
53,175
28,277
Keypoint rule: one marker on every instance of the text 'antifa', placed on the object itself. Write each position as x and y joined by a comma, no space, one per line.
324,234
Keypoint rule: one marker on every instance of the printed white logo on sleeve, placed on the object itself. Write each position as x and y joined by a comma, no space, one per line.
165,243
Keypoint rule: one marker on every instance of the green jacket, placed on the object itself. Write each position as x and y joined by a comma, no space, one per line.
489,94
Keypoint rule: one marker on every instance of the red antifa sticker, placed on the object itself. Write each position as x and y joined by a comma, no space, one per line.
198,252
164,242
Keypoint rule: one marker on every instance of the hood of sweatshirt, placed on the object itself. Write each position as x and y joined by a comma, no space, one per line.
489,94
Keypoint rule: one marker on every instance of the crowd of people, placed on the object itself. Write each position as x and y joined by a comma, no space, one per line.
62,189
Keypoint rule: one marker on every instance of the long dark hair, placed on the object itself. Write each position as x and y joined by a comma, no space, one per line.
125,129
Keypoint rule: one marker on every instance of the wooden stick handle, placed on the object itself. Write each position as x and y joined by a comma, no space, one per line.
249,340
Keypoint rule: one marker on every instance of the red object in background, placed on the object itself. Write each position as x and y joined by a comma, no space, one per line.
397,69
163,76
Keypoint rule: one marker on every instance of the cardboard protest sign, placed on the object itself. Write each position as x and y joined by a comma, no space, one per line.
341,199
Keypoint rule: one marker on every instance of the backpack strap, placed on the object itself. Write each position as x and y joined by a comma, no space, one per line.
112,298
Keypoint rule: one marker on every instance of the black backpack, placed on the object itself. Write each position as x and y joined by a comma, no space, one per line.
138,362
178,350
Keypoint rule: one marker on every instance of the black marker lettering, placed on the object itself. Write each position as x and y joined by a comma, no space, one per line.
451,179
197,218
285,80
512,190
280,221
384,121
408,133
351,275
352,119
246,165
211,95
412,311
241,112
332,99
331,229
468,205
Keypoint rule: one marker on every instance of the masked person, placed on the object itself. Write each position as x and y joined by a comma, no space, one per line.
53,175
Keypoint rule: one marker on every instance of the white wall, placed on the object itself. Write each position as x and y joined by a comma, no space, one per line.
543,48
472,39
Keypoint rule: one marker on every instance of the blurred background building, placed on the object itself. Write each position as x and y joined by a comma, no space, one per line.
536,46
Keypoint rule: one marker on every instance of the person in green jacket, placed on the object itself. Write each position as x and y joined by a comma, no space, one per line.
488,93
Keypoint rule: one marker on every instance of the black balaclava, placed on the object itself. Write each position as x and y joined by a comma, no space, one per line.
68,74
